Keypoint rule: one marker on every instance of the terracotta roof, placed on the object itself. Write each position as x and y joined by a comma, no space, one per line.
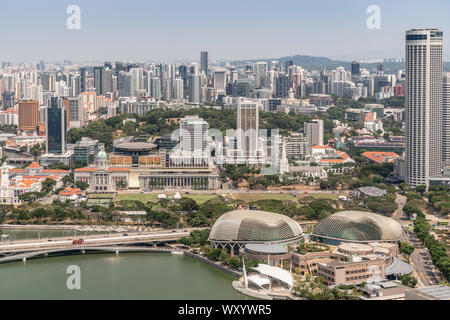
70,191
54,171
118,169
84,170
34,165
27,183
344,156
379,156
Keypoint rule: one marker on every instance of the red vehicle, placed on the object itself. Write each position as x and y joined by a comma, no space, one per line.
80,241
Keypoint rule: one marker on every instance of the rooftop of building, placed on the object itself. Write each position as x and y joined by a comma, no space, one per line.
380,156
438,292
265,248
70,191
372,191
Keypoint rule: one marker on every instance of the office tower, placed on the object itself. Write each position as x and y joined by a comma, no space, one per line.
194,88
75,111
56,126
107,81
220,79
83,79
183,72
314,132
287,64
167,89
380,68
247,128
204,62
98,80
137,80
178,89
124,84
155,88
261,75
423,105
283,84
193,133
355,69
446,119
48,81
28,115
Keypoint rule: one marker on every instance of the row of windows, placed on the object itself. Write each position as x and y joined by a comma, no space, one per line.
357,278
355,271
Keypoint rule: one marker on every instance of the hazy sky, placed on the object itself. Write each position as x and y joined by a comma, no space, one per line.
167,30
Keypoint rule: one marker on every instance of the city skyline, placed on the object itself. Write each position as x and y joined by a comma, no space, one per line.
155,31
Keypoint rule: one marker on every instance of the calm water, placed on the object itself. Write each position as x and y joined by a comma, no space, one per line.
107,276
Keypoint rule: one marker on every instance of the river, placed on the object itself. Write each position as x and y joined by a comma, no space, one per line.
107,276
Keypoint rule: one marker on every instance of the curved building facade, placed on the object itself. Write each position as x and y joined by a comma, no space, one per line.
357,226
236,228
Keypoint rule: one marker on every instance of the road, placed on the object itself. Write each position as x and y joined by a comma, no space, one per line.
425,272
96,240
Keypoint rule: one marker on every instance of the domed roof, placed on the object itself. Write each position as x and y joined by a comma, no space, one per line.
101,155
254,225
358,226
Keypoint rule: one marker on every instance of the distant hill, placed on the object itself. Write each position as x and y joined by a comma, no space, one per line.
316,63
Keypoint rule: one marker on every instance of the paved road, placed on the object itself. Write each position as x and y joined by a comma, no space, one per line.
96,240
425,272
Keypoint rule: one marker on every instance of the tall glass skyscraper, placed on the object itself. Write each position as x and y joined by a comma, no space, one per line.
204,62
56,126
423,105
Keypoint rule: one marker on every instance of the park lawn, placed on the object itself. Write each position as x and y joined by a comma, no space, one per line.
285,196
144,197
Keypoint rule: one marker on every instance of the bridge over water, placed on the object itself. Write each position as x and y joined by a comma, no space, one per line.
141,242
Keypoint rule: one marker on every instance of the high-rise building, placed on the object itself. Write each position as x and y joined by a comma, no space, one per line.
183,72
423,105
220,79
75,112
261,80
107,81
314,132
204,62
355,69
178,91
193,133
28,115
124,84
83,79
98,73
380,68
194,88
155,88
247,129
446,119
56,126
